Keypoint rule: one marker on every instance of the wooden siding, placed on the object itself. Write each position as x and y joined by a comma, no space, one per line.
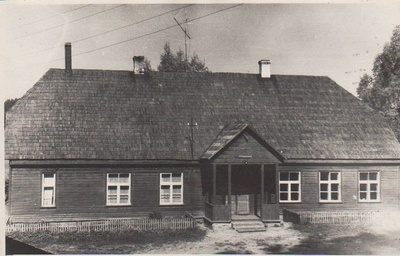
389,188
81,193
246,145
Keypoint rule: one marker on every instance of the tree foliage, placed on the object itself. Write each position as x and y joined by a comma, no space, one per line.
147,65
7,105
176,62
381,91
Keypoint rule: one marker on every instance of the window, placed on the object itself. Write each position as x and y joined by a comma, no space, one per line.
369,187
289,187
48,190
329,187
171,188
118,189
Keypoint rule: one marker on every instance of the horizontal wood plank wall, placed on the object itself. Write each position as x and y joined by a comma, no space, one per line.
81,194
243,147
389,188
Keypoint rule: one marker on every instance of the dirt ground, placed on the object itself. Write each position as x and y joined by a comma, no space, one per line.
293,239
224,240
380,238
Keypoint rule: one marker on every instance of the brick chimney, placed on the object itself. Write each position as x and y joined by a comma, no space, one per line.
68,58
265,68
138,65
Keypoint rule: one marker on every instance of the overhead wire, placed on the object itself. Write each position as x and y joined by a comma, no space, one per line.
157,31
85,17
37,21
110,31
134,38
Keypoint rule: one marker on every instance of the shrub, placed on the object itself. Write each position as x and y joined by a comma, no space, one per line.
155,215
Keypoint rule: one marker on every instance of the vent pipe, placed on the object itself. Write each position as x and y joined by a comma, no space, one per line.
138,65
265,68
68,58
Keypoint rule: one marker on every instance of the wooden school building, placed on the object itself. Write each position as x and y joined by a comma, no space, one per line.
96,144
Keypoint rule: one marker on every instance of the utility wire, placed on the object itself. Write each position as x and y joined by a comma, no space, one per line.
138,22
41,31
157,31
110,31
138,37
37,21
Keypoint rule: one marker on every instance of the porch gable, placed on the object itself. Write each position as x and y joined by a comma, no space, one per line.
240,143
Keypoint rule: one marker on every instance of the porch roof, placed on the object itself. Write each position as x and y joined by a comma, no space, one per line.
228,134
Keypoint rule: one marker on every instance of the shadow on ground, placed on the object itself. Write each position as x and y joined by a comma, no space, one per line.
235,252
362,244
17,247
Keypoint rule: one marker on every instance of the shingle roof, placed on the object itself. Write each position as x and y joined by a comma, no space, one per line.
226,135
96,114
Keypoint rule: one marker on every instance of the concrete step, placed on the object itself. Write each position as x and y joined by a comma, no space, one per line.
250,229
248,226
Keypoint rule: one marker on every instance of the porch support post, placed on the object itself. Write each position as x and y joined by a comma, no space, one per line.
276,184
214,182
229,184
262,190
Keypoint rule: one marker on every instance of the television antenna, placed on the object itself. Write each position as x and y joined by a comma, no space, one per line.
186,33
191,138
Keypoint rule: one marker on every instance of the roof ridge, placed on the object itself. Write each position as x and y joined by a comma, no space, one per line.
190,72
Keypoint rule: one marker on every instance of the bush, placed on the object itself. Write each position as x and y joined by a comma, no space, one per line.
155,215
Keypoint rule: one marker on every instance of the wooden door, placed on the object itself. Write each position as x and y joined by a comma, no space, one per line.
243,204
240,204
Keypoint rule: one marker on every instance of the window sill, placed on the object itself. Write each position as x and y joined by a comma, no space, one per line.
330,202
299,202
118,205
180,204
48,207
367,202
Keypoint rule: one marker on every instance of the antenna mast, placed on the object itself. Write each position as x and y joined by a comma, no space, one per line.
186,36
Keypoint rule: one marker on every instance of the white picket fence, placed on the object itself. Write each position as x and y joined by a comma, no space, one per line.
105,225
336,217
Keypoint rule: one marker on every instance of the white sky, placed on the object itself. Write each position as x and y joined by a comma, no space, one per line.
336,40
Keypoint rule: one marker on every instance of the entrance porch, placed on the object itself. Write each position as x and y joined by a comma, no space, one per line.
241,191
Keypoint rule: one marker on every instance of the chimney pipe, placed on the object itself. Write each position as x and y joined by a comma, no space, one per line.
68,58
265,68
138,65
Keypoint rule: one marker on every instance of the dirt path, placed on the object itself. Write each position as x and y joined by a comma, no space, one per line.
223,239
305,239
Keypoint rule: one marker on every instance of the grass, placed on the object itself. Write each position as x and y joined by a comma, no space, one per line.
337,239
294,239
102,242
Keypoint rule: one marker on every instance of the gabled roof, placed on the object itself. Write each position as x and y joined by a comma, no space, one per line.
103,114
228,134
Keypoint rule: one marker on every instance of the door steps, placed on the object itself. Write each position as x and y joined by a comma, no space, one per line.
248,226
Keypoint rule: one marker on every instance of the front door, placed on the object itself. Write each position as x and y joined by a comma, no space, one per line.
240,204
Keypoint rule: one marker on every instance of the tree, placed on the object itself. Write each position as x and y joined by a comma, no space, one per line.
381,91
170,62
7,105
147,65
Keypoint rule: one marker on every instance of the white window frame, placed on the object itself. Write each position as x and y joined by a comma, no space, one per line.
51,185
330,182
289,183
369,191
170,183
118,184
